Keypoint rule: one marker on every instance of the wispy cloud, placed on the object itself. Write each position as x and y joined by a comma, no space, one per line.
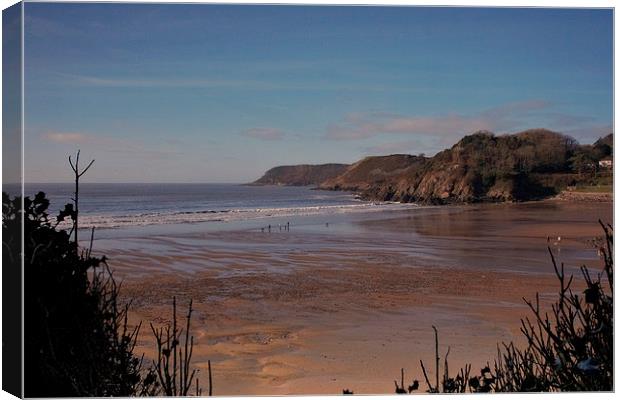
430,134
161,83
264,133
231,83
67,137
363,126
406,146
366,125
82,138
110,144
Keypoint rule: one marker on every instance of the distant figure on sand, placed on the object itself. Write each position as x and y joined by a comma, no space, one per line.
556,243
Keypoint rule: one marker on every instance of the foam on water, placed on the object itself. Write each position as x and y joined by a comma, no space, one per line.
109,205
142,219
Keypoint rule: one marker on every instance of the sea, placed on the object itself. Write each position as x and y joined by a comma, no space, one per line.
166,218
117,205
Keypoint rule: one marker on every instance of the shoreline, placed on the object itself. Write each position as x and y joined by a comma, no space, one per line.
318,309
369,206
573,196
568,195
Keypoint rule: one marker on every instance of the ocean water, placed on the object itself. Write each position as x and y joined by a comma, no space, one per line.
120,205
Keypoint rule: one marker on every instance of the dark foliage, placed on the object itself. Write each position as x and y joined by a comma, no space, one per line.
77,340
604,147
508,163
569,349
174,355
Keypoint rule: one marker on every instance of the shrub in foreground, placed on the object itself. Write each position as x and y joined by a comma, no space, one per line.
569,348
77,340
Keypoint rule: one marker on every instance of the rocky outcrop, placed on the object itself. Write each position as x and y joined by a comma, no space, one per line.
300,175
529,165
480,167
373,172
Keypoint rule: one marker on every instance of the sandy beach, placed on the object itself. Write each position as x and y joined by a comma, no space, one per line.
347,302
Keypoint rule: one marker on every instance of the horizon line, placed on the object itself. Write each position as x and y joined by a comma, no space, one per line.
127,183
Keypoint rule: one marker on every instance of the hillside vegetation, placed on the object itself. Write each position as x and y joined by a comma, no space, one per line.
301,175
528,165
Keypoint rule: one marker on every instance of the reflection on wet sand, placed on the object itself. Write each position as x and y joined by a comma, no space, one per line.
318,308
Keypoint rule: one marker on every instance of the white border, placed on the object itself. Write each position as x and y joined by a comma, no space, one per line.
474,3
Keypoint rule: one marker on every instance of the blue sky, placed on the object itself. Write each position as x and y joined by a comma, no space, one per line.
215,93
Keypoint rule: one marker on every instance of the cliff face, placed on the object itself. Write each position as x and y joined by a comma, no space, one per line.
481,167
300,175
372,172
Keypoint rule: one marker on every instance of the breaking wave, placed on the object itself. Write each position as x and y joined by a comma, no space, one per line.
184,217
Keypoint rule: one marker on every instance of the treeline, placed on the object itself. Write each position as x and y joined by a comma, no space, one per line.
536,151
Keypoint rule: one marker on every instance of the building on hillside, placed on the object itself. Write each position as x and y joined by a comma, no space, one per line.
606,162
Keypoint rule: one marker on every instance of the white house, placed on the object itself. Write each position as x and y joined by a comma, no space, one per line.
606,163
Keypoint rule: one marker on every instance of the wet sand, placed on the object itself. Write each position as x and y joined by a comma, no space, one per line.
345,303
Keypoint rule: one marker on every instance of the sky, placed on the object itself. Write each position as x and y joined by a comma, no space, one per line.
221,93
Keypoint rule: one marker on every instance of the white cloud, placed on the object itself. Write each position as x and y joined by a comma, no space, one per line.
362,126
430,134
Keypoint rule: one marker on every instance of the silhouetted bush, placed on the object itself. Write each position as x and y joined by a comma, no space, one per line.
77,341
76,338
569,349
174,355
